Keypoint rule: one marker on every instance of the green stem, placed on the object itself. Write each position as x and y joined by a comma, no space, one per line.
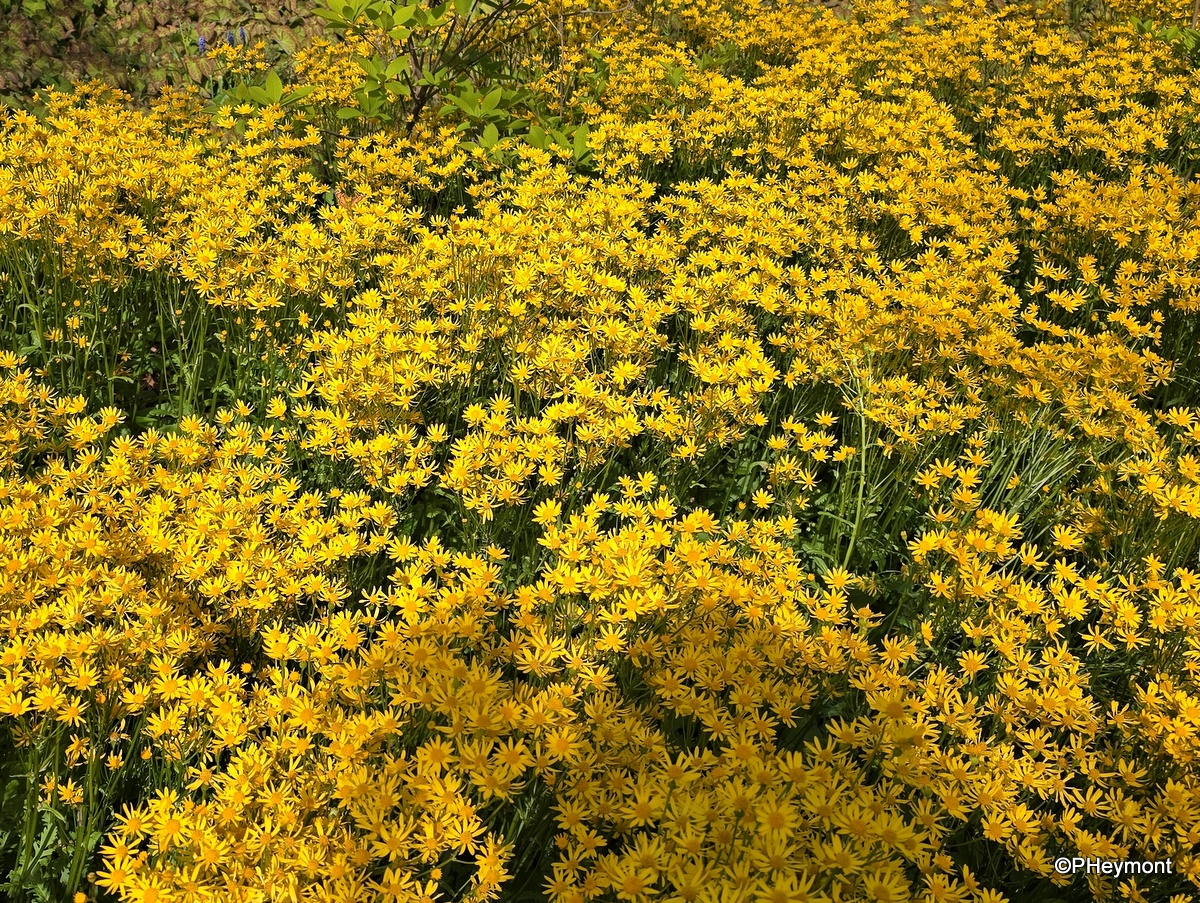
28,829
83,837
862,483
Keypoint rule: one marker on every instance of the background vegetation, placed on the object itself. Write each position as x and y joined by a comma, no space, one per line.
679,450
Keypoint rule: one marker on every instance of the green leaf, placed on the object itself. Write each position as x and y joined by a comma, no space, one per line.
299,94
287,41
336,21
274,87
349,113
489,102
372,105
468,103
491,135
581,142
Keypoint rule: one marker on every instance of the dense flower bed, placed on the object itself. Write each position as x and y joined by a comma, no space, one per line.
790,494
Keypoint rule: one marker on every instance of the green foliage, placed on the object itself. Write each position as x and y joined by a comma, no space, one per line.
50,42
422,55
576,141
48,840
1186,41
269,93
136,46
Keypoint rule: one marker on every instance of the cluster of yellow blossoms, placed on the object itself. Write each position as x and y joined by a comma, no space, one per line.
799,503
